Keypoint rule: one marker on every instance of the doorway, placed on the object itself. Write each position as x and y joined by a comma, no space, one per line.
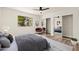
57,26
48,25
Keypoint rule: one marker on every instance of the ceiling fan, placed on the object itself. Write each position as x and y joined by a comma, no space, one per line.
41,9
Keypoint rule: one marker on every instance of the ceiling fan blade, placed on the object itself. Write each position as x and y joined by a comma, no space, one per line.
45,9
41,9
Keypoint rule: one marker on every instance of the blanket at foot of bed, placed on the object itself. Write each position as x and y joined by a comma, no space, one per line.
31,42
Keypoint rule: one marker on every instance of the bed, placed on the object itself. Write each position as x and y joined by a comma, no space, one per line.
45,44
28,42
31,42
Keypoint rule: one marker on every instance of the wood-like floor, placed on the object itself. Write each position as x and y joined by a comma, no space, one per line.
62,40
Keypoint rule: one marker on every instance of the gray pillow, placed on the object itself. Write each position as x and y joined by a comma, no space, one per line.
5,43
1,34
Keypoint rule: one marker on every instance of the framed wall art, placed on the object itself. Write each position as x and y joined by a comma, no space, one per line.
25,21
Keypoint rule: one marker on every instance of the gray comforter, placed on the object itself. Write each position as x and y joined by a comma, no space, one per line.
31,42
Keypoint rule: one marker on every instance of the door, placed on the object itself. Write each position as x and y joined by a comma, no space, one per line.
67,25
48,25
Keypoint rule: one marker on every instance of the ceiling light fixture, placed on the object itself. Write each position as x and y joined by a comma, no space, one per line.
40,12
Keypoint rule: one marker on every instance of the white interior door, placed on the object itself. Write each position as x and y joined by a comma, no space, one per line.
67,22
48,25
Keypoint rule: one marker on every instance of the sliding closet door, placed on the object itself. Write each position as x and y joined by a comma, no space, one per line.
67,22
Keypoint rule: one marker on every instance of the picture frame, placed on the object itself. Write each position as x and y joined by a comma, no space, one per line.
25,21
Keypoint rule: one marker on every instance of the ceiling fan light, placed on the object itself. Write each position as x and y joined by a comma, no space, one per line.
40,12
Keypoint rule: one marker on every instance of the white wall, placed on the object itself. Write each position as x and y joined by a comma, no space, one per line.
67,25
67,11
10,20
0,17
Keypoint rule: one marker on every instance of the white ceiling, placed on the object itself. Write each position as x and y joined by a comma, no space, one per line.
33,11
26,9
